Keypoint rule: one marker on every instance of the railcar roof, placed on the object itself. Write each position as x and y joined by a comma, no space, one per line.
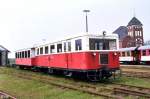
69,37
127,49
144,47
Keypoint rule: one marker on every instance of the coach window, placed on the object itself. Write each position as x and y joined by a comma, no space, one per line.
64,46
59,48
52,48
25,54
144,52
78,44
46,49
69,46
149,52
41,50
38,51
128,53
123,53
28,53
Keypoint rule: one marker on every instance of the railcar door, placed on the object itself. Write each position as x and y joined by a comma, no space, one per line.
136,56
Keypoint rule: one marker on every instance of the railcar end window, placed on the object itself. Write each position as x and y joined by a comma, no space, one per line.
41,50
46,49
102,44
78,44
59,48
52,48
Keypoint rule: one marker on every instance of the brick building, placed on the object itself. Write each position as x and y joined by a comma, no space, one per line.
130,35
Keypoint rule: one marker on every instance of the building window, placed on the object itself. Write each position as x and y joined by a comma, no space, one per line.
69,46
52,48
59,48
144,52
28,53
78,44
46,49
64,46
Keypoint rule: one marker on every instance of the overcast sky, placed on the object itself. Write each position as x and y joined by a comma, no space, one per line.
24,23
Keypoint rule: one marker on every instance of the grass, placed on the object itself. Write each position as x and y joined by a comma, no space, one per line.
27,89
134,81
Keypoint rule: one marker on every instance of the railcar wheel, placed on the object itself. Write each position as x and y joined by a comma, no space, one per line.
94,76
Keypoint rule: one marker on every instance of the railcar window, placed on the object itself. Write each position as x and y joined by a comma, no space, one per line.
25,54
41,50
102,44
28,53
38,51
69,46
149,52
16,55
123,53
46,49
20,55
144,52
59,48
78,44
64,46
52,48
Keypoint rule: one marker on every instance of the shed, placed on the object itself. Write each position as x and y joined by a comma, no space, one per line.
3,56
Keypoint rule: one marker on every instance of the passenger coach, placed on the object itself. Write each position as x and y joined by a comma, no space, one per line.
93,55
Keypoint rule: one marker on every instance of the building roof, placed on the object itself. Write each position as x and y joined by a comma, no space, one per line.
122,31
134,21
2,48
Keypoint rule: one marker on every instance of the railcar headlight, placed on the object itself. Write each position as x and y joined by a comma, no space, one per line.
115,53
94,54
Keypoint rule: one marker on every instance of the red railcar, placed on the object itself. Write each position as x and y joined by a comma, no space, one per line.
94,55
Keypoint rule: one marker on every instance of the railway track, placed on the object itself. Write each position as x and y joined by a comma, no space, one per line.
133,91
5,95
136,71
86,88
